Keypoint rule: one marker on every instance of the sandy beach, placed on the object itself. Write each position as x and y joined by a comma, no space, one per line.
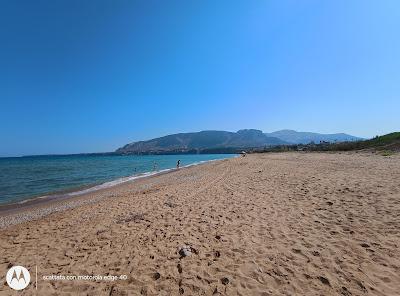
265,224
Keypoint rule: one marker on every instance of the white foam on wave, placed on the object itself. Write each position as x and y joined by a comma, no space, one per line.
117,182
134,177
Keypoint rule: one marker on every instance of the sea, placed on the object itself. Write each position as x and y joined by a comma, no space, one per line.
26,178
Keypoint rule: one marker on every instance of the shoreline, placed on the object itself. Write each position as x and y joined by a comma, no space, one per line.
88,188
41,206
76,192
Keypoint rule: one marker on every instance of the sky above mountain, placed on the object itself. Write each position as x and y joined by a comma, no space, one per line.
89,76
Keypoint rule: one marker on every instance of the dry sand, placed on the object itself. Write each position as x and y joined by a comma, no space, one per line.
270,224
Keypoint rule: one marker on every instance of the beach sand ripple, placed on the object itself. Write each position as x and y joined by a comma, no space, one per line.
265,224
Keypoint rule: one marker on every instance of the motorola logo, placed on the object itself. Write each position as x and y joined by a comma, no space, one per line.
18,277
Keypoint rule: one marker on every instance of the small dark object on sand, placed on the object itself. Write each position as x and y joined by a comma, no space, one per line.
225,281
156,275
324,280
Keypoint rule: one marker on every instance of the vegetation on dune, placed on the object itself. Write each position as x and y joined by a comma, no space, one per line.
386,139
386,144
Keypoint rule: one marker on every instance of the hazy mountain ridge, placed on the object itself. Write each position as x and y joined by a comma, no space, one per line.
295,137
218,140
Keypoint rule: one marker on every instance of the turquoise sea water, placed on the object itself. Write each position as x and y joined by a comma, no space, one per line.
23,178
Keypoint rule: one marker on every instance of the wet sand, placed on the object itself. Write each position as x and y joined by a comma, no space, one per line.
265,224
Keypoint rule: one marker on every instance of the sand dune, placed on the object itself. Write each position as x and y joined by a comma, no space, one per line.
268,224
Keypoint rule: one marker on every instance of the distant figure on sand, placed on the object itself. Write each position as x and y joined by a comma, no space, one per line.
178,164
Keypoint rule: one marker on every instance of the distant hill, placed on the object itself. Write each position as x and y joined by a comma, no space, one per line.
295,137
201,141
224,142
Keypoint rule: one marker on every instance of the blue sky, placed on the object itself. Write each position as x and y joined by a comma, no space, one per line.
90,76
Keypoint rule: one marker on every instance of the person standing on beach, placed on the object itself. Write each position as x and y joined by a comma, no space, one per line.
178,163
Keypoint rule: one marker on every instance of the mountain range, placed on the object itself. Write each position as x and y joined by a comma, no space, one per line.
223,141
295,137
